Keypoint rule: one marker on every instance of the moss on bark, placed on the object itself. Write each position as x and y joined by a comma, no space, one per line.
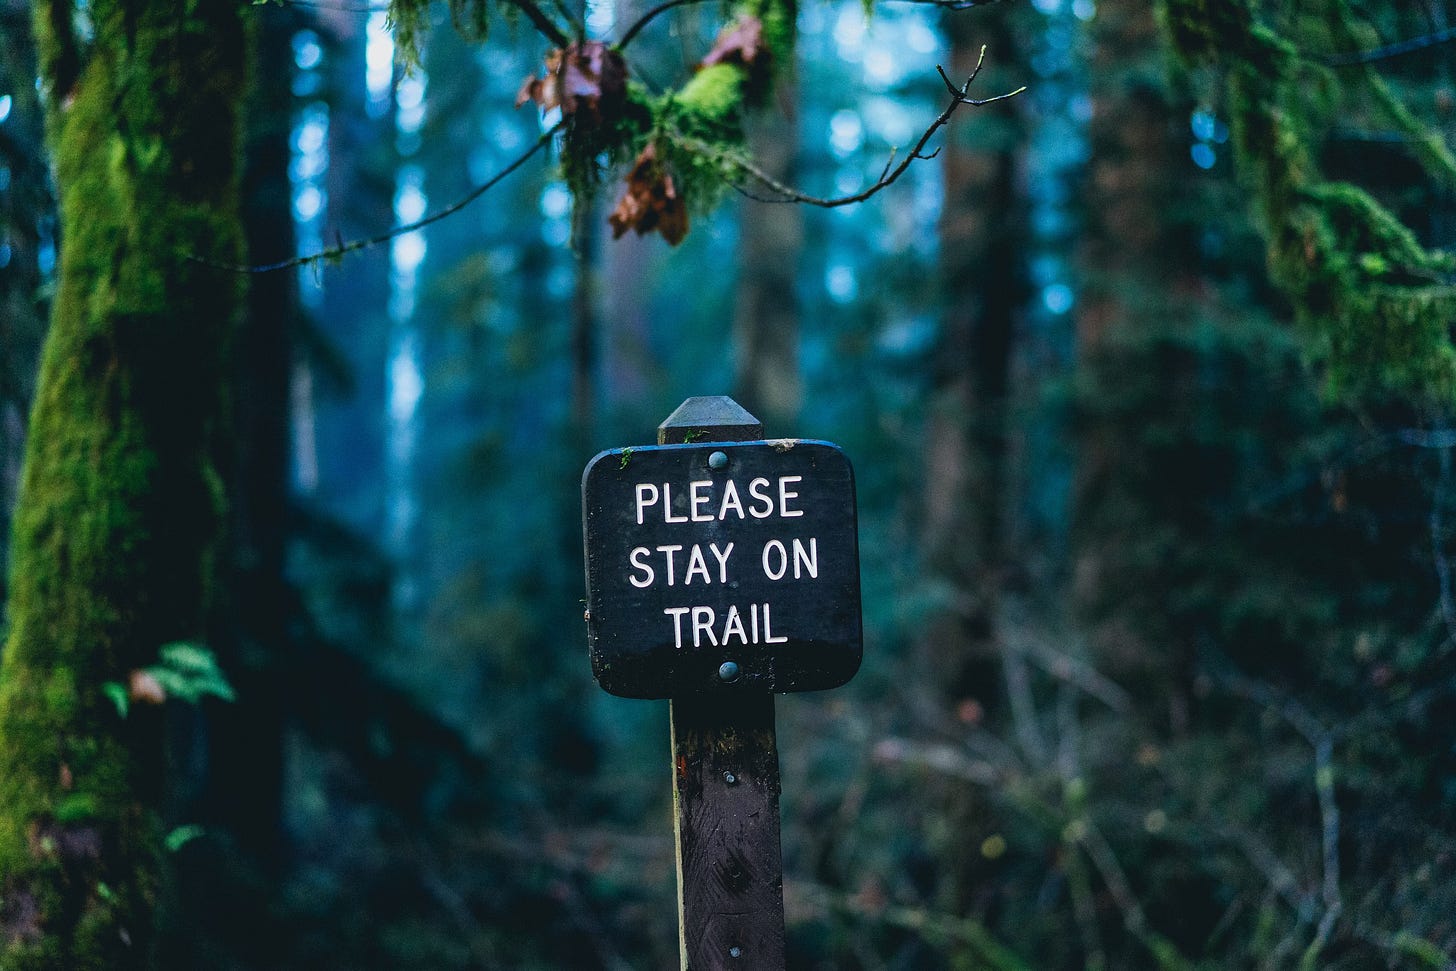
1376,303
120,505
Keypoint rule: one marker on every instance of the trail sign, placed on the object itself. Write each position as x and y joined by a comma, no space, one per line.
722,567
722,563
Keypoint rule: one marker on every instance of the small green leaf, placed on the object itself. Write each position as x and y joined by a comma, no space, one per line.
1374,264
76,807
105,892
189,671
183,835
117,693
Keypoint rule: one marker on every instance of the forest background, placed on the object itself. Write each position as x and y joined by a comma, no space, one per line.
1147,381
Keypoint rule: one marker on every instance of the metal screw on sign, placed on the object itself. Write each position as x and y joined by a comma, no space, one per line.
721,569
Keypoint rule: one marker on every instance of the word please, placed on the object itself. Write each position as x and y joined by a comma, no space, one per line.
761,502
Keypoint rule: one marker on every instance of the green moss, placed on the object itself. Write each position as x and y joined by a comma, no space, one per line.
699,128
119,507
1374,301
712,100
75,808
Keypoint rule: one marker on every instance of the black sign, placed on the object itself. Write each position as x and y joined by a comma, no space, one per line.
721,565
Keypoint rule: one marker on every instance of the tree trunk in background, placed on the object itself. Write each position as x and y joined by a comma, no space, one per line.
1139,256
1134,195
766,321
586,241
982,282
228,775
121,505
246,777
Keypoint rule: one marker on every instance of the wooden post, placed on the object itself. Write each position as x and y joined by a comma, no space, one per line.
725,783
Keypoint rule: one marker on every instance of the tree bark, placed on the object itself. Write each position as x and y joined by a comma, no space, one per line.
121,506
983,285
766,322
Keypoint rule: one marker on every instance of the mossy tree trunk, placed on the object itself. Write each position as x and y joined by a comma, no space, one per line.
120,507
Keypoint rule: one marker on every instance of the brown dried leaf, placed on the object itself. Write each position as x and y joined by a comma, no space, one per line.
651,202
145,688
537,90
588,78
740,43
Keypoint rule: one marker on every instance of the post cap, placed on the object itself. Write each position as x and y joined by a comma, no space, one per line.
710,418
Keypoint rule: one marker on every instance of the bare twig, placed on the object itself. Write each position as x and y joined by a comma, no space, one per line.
952,4
1391,50
1421,438
570,16
787,194
1321,739
943,759
1066,668
650,16
337,7
1438,542
1023,707
541,22
1069,733
1276,873
1324,782
343,248
1084,908
993,955
1134,918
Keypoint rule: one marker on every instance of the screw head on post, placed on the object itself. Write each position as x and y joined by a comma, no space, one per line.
728,672
718,461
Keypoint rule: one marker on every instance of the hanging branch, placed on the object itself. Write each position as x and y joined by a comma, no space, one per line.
648,17
542,23
342,249
891,172
560,39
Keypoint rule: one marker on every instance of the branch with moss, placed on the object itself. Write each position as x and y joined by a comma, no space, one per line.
1376,302
688,145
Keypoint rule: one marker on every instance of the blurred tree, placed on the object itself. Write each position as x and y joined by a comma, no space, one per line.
983,280
26,250
121,508
766,316
226,774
